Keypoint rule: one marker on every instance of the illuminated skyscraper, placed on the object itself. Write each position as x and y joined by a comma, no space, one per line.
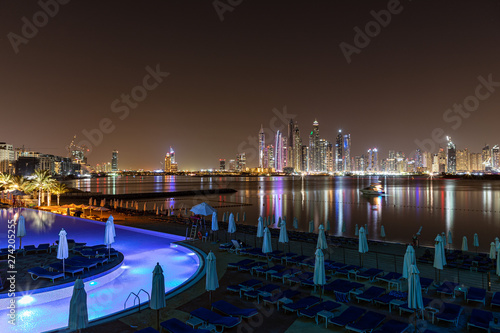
486,158
316,151
297,148
222,164
278,149
346,151
391,162
495,157
463,163
451,156
114,161
241,162
262,147
372,165
289,145
305,158
339,152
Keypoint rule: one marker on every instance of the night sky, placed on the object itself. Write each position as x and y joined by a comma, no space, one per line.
226,76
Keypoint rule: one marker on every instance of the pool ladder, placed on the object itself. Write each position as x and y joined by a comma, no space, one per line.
136,298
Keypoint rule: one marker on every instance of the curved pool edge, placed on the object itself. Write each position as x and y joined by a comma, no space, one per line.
145,305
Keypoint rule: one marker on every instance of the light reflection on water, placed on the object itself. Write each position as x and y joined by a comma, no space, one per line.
462,206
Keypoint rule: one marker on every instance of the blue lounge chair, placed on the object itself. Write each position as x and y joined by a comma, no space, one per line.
476,295
371,293
269,270
323,306
342,290
245,285
449,312
174,325
215,319
67,268
495,300
79,263
29,248
447,287
285,274
240,263
425,283
404,307
367,323
302,303
43,247
391,278
265,291
300,277
369,274
39,272
286,294
254,265
350,315
347,270
392,295
297,260
393,326
111,252
233,311
480,319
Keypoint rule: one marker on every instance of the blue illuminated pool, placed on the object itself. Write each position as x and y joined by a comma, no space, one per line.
48,309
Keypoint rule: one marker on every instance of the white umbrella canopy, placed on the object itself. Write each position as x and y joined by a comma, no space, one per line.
295,223
215,222
356,230
109,235
465,247
231,227
497,243
366,229
438,256
409,259
112,220
260,228
321,244
493,251
476,240
212,282
244,216
78,313
158,292
238,216
382,232
203,209
415,300
343,227
311,226
62,246
90,201
283,238
327,228
363,243
21,229
266,244
319,277
450,238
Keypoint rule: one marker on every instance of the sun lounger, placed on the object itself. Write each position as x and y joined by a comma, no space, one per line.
225,246
323,306
341,288
393,326
300,277
350,315
368,322
240,263
233,311
43,248
246,285
302,303
385,299
449,312
347,270
371,293
174,325
285,274
296,260
283,295
476,295
495,300
111,252
79,263
215,319
101,260
269,270
390,278
480,319
29,248
447,288
369,274
253,252
425,283
39,272
253,265
67,268
267,290
404,307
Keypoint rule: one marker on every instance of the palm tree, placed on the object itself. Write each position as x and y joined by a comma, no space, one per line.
20,183
58,189
5,180
42,181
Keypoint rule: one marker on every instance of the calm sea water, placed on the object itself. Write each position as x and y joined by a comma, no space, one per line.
463,206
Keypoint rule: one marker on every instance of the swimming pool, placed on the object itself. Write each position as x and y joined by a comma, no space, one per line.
48,310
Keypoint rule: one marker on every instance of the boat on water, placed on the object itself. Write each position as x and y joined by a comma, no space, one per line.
373,189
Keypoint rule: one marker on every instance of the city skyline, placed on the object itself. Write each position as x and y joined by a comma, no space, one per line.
201,80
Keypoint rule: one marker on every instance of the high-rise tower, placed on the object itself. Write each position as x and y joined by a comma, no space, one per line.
262,147
339,152
114,161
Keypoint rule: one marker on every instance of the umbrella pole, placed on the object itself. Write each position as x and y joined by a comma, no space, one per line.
20,243
158,319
